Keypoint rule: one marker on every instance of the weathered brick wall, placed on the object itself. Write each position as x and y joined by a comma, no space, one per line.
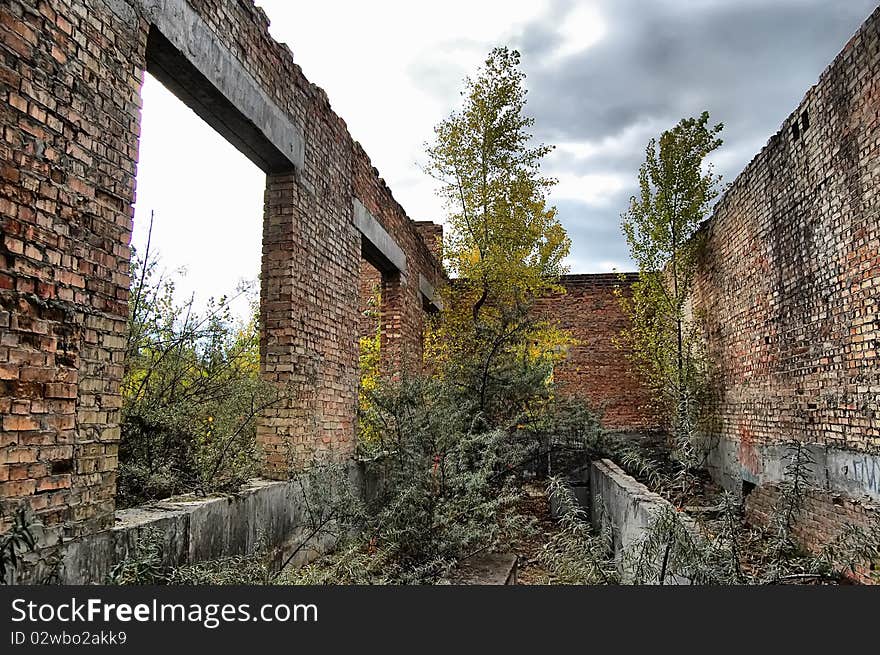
385,316
432,233
790,281
402,311
71,75
597,369
821,518
69,115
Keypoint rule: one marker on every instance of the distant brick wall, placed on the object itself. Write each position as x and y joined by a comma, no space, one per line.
71,76
790,279
369,288
597,369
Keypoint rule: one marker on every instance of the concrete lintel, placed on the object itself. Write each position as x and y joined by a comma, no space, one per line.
377,246
429,293
185,55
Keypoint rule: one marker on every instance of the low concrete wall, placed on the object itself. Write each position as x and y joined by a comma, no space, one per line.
626,506
265,513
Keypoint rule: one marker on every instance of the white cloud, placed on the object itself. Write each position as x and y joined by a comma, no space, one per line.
582,27
602,81
391,69
631,139
592,189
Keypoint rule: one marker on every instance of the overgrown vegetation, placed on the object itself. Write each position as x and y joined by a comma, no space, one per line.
146,565
577,554
368,365
452,447
718,546
454,444
191,392
504,244
450,479
15,539
657,464
662,228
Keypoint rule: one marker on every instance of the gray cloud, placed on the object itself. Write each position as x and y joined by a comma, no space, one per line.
748,62
596,236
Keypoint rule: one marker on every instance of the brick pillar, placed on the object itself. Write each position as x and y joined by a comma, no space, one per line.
402,316
432,235
391,346
277,343
368,313
69,112
309,338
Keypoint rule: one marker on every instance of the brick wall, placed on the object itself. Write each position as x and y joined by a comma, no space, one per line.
597,369
71,75
387,315
69,115
402,311
432,233
790,280
821,518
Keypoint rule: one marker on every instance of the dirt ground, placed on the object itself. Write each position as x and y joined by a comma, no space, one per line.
528,547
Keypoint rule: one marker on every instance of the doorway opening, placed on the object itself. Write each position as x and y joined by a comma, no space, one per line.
191,390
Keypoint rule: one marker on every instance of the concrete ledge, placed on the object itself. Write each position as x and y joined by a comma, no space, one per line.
200,529
491,569
429,293
835,470
378,247
626,506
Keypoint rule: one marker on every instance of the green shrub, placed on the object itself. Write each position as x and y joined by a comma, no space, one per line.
450,480
191,394
15,539
576,554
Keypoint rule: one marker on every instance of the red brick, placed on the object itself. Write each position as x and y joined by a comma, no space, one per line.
59,390
8,372
787,283
596,370
15,423
17,489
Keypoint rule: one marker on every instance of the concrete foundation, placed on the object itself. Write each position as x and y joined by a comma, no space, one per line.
272,515
491,569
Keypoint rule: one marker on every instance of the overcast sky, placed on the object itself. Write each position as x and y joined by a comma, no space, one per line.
603,77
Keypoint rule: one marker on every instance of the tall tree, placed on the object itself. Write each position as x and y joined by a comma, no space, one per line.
662,228
504,244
